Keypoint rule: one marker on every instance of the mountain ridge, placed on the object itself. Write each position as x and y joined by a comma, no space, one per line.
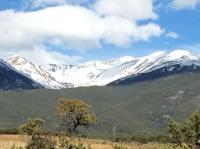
108,72
10,78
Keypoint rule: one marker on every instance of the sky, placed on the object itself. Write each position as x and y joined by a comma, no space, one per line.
75,31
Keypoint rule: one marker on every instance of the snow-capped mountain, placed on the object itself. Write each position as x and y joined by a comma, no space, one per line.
101,73
161,64
35,72
10,78
86,74
114,71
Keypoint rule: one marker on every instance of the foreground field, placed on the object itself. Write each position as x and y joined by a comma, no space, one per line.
7,141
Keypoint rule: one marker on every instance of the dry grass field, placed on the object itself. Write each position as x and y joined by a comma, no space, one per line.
7,141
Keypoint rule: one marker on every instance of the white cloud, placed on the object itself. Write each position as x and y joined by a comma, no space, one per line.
40,55
184,4
172,35
131,9
73,26
45,3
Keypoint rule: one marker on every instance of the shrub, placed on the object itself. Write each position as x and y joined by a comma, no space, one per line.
32,126
15,147
119,147
39,138
187,132
42,141
66,142
171,146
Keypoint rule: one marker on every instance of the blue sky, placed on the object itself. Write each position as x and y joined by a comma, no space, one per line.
174,24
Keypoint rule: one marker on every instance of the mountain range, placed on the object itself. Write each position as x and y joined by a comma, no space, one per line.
18,72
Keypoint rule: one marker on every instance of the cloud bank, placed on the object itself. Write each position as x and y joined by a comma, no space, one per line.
184,4
130,9
111,22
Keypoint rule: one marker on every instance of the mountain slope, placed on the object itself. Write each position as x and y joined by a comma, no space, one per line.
10,79
101,73
123,70
138,108
155,74
35,72
86,74
176,62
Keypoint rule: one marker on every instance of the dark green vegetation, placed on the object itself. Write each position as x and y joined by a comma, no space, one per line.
187,133
142,108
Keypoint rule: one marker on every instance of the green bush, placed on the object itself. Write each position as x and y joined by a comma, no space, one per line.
15,147
186,133
119,147
42,141
65,142
146,139
171,146
139,139
39,138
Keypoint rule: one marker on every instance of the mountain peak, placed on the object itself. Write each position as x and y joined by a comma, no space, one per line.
17,60
123,59
180,53
34,71
157,54
101,73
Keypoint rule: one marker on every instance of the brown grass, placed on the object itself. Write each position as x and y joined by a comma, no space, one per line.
7,141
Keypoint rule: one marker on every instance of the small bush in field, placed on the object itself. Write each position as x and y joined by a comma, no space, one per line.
32,127
66,142
119,147
15,147
43,141
39,138
170,146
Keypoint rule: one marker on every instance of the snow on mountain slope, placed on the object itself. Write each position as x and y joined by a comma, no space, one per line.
10,78
34,72
87,73
178,61
100,73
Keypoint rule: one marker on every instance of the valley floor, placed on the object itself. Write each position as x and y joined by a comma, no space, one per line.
7,141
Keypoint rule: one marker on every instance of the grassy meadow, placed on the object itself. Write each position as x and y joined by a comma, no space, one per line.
8,141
